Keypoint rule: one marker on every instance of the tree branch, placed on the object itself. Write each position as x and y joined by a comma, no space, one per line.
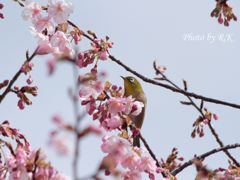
202,157
15,77
190,94
199,109
180,91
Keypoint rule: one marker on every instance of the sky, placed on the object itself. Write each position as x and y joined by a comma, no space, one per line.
142,31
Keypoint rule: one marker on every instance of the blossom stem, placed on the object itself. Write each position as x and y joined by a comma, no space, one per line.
15,77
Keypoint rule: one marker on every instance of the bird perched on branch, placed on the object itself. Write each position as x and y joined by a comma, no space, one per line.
132,87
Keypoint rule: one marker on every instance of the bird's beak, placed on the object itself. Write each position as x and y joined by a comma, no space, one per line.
122,77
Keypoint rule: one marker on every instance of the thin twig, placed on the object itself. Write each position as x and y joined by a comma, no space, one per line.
190,94
213,131
173,87
15,77
202,157
149,150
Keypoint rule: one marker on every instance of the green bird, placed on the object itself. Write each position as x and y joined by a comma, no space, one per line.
132,87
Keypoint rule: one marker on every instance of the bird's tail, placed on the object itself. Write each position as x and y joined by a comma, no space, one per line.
136,141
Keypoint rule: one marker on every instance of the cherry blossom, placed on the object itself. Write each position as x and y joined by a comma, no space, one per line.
44,23
59,10
134,160
61,44
32,11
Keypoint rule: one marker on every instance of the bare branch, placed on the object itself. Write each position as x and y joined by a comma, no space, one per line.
203,156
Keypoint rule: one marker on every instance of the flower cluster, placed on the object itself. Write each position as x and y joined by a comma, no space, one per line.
134,160
31,165
22,162
233,172
173,161
99,50
21,92
201,121
48,27
106,103
223,12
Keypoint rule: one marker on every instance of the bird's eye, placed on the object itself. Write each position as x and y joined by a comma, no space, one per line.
131,80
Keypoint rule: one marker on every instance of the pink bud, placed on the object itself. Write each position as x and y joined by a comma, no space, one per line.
103,55
114,87
215,116
21,104
44,49
29,80
220,19
181,158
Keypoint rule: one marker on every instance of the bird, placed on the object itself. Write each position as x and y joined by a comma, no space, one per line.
132,87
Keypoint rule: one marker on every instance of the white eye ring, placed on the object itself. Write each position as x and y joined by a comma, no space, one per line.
131,80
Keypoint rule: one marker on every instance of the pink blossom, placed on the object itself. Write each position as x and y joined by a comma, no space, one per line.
61,44
116,147
112,123
60,10
84,59
103,55
44,23
44,46
132,175
147,164
116,105
32,10
137,108
90,89
125,105
76,37
131,161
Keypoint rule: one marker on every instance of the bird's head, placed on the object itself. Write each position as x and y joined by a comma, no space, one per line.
132,86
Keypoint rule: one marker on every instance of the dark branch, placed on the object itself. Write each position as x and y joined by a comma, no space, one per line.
190,94
202,157
15,77
199,109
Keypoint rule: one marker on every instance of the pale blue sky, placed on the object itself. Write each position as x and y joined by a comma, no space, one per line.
142,31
